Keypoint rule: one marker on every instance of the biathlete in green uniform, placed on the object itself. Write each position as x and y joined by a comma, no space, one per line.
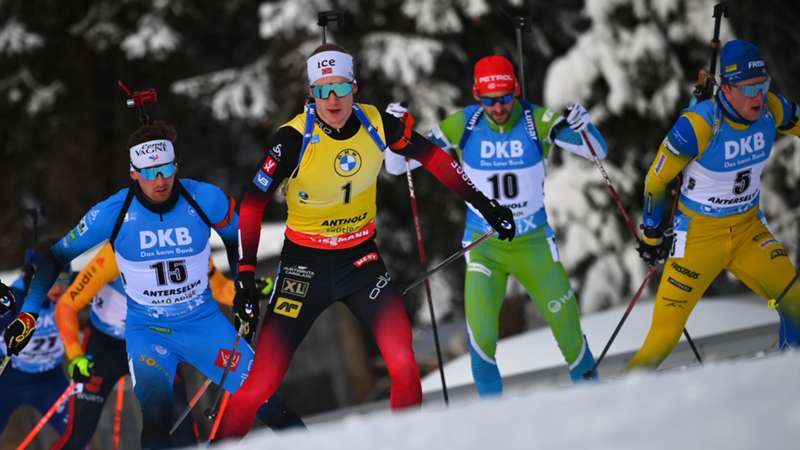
503,143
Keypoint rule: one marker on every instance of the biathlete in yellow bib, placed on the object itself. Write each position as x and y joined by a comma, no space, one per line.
331,155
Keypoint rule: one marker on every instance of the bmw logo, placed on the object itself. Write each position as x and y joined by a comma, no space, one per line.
347,162
303,195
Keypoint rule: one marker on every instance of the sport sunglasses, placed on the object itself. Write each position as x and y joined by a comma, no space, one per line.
753,90
151,173
503,99
323,91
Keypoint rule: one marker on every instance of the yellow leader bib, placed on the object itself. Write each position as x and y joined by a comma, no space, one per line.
331,198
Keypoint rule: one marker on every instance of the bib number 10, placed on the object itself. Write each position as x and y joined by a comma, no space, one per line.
506,185
175,270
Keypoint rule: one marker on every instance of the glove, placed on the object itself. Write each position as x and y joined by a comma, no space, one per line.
19,332
578,117
400,110
397,109
499,217
655,245
81,369
264,287
7,299
246,311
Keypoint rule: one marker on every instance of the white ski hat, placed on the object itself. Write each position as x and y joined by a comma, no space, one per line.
329,63
152,153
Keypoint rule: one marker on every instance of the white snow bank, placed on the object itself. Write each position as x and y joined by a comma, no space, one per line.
746,404
537,349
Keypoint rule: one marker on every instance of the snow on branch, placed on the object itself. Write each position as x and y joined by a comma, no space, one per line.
154,38
15,39
232,93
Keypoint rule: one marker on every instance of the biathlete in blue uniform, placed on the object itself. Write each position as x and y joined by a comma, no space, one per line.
160,228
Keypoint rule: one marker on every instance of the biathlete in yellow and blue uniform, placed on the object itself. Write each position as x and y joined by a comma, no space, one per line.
720,147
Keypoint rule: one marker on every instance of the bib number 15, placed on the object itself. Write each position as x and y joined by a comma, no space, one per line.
174,270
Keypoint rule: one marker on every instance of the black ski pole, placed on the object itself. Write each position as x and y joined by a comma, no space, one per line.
521,24
447,261
650,273
775,303
423,259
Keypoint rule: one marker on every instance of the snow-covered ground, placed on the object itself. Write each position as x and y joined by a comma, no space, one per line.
536,349
744,404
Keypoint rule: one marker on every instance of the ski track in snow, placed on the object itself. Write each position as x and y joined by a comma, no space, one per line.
744,404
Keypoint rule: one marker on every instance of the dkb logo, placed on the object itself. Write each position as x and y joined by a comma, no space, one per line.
502,149
744,146
165,238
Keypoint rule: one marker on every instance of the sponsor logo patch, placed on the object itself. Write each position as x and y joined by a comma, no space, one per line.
684,271
768,242
383,280
82,227
369,257
294,287
222,359
298,271
777,253
554,306
761,236
262,181
674,303
287,307
269,166
158,329
679,285
347,162
662,158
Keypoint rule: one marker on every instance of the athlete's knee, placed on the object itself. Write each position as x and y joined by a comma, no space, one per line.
402,367
476,267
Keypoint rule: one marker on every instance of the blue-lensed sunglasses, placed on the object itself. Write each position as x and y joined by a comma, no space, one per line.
151,173
323,91
503,99
752,90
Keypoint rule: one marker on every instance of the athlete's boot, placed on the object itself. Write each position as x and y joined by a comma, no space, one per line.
581,369
788,335
486,375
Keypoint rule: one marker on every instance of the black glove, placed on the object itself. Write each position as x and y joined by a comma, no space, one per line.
499,217
655,245
19,332
7,300
245,304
